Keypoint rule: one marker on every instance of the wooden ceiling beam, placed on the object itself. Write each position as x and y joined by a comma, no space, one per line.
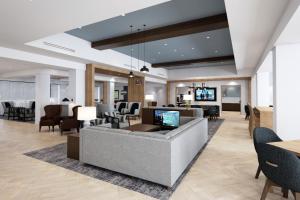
174,30
193,61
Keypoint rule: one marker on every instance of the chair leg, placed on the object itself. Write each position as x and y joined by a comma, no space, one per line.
285,193
49,128
257,172
52,128
40,128
266,190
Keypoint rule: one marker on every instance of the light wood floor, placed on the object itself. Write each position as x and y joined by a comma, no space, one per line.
225,170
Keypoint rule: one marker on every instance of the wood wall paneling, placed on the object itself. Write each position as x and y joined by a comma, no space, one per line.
136,89
90,85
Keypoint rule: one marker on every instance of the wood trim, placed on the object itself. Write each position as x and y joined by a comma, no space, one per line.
89,85
174,30
193,61
105,92
211,79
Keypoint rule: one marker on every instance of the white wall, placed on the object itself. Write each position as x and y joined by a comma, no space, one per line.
286,91
264,89
254,90
158,91
217,84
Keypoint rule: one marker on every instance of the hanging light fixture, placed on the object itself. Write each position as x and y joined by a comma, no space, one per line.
131,75
144,69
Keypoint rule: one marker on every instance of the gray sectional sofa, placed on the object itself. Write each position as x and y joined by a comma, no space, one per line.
160,157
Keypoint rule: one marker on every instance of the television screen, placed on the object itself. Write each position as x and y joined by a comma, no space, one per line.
166,118
206,94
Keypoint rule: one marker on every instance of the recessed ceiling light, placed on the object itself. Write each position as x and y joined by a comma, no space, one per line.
216,51
207,37
123,14
158,52
80,27
175,50
165,44
193,48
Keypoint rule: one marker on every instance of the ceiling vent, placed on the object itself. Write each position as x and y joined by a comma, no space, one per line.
59,47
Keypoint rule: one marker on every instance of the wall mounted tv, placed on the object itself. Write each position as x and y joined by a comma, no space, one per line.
206,94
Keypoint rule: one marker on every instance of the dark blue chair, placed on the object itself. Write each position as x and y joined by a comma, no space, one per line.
281,167
263,135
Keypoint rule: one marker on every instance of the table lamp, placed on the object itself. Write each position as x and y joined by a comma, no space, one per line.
86,114
188,98
149,98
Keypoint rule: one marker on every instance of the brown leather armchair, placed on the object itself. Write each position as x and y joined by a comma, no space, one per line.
52,116
68,123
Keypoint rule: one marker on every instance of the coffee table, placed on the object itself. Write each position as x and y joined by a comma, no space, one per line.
143,127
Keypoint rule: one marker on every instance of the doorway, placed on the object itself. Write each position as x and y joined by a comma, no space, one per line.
231,98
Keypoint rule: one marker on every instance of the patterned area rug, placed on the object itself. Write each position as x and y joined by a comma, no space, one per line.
57,155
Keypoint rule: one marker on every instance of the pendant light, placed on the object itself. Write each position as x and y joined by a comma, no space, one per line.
138,56
144,68
131,75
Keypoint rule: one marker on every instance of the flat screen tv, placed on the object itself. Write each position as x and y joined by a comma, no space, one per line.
167,119
206,94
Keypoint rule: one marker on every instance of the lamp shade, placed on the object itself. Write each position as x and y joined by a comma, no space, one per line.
86,113
187,97
149,97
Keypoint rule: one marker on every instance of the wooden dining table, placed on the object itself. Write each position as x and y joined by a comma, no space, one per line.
291,145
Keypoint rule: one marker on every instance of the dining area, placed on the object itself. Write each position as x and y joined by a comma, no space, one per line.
279,161
18,110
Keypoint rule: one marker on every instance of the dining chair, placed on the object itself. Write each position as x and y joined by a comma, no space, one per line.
262,135
282,169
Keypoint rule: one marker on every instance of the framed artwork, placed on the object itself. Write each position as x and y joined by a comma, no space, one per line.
117,95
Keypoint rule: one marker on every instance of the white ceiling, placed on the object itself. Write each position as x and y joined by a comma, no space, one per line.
252,24
23,21
291,33
9,65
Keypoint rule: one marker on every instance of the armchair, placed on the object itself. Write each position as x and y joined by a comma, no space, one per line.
68,123
51,118
120,107
27,113
133,109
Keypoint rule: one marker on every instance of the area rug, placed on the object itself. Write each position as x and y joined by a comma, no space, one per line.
57,155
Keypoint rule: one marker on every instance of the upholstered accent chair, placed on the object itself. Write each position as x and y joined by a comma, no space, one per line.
282,169
68,123
120,107
52,117
27,113
133,109
262,135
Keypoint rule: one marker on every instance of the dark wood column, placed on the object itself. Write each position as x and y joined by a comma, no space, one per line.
90,85
136,89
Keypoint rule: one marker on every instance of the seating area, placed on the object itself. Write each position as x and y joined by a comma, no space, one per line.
150,99
279,165
18,110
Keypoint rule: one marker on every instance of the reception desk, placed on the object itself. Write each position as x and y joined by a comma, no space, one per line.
262,117
148,113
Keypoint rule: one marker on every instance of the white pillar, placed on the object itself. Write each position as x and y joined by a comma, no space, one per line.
76,88
253,91
111,93
286,91
42,94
